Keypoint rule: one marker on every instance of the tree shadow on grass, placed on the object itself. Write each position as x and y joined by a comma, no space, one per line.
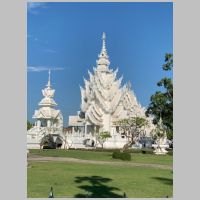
168,181
96,187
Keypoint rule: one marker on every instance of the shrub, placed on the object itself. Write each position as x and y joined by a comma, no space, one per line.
170,152
143,151
49,147
147,151
121,155
46,147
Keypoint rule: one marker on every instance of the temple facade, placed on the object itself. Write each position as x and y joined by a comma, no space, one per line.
48,120
104,101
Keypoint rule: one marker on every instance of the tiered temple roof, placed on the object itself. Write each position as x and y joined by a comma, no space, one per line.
103,100
47,103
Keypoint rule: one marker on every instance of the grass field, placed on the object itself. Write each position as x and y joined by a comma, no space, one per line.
93,180
105,156
78,180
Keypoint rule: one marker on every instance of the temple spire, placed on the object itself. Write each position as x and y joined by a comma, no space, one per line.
49,79
104,43
48,94
103,61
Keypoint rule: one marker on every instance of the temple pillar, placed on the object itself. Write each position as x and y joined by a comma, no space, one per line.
38,123
95,128
85,128
48,123
106,123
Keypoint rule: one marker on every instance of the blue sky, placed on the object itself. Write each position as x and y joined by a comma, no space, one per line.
66,37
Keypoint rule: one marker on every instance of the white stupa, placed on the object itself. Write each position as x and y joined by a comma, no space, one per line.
104,101
48,120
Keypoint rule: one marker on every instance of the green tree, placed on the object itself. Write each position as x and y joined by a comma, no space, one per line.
29,125
161,103
133,128
102,137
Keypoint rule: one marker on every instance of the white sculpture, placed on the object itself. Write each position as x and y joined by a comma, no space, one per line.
161,139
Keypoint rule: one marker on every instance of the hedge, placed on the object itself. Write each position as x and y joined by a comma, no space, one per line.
121,155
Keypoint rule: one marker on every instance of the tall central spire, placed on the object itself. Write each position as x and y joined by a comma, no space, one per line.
49,79
103,61
103,51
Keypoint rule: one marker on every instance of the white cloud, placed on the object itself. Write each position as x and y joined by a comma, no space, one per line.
33,6
43,68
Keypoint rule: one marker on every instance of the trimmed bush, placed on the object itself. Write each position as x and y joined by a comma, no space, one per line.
170,152
48,147
121,155
147,151
143,151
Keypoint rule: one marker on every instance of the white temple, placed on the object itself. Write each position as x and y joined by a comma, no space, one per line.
48,119
104,101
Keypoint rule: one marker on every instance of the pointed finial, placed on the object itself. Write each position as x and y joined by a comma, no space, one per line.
49,80
103,61
104,36
104,43
160,120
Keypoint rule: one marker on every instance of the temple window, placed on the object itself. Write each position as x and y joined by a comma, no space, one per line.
43,123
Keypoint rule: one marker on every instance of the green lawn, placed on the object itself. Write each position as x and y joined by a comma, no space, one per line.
77,180
105,156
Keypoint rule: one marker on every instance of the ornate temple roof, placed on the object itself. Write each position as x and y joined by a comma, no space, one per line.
47,103
46,113
103,95
48,94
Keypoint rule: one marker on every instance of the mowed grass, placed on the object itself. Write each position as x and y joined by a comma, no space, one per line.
79,180
105,156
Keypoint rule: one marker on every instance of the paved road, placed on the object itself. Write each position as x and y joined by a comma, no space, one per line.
96,162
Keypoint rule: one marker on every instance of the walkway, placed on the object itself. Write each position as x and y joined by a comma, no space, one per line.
96,162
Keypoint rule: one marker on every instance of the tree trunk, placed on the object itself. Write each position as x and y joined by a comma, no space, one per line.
127,145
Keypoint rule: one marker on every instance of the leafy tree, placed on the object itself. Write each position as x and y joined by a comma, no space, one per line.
102,137
29,125
161,104
133,128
